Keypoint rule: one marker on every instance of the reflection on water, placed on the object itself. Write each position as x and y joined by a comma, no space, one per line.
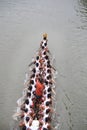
82,13
84,4
83,9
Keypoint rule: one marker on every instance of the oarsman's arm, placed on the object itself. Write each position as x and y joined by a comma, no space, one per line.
53,91
53,81
21,123
47,50
53,68
16,115
32,63
49,127
41,43
53,98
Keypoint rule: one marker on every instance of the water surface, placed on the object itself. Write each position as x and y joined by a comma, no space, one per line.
22,24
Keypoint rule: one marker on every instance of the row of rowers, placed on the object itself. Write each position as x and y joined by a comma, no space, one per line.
37,103
43,67
31,103
43,72
42,60
42,94
36,89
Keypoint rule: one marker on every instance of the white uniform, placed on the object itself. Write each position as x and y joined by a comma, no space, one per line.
35,125
44,111
30,101
33,88
28,107
45,125
27,124
45,116
44,41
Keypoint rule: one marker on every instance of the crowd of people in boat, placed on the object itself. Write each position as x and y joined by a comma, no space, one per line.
36,109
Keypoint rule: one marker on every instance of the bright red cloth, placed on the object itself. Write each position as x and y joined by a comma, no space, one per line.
39,88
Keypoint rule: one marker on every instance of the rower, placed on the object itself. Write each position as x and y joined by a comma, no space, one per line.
35,125
39,88
44,42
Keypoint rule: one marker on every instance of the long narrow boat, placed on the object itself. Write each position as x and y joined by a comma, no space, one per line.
36,112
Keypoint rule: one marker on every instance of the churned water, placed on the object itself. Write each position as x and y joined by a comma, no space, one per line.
22,23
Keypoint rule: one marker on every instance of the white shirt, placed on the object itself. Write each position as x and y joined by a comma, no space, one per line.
35,125
45,125
46,107
27,124
30,101
28,107
45,115
47,99
44,41
33,87
37,70
46,87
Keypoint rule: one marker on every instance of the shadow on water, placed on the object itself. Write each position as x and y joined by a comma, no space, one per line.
83,9
81,12
84,3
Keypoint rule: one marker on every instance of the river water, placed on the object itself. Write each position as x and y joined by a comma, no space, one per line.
22,23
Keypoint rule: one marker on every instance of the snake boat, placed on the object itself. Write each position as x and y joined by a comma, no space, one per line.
35,113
